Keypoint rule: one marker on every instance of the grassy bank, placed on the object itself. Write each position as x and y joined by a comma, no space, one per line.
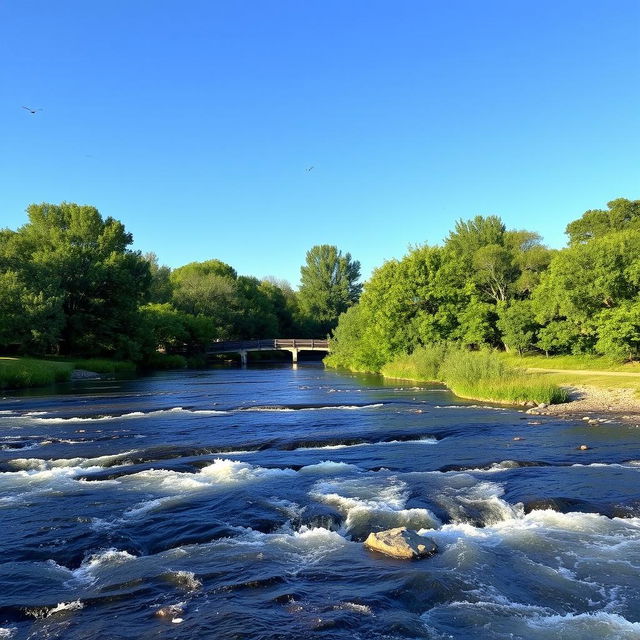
18,373
579,363
99,365
480,375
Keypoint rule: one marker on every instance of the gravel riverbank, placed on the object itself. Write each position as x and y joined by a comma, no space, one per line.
595,402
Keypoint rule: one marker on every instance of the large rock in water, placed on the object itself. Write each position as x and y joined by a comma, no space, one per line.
401,543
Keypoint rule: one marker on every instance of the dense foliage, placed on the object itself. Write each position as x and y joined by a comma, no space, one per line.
71,285
488,286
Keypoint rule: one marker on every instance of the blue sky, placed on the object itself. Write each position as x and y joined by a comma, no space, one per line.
195,122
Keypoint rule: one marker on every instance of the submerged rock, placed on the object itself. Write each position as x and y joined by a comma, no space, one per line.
401,543
171,611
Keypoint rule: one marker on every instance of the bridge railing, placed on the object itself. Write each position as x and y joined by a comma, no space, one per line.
275,344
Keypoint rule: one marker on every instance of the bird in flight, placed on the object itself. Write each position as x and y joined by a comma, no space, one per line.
310,168
31,111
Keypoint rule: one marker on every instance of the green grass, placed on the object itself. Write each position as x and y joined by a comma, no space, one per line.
482,375
581,362
99,365
18,373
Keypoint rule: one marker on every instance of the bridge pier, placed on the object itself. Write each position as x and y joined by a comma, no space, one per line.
243,357
294,356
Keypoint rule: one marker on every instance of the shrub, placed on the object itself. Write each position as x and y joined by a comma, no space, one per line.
481,375
17,373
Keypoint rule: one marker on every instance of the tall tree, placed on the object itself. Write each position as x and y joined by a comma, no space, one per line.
621,214
160,288
329,286
70,251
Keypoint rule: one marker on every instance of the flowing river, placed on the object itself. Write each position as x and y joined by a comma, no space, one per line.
233,504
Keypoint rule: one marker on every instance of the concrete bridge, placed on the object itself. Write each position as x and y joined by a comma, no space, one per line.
243,347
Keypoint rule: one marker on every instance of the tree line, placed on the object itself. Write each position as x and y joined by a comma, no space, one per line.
487,285
70,284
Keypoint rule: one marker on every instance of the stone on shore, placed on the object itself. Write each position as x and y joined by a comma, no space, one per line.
401,543
83,374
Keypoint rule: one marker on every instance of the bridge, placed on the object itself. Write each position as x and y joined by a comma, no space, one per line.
243,347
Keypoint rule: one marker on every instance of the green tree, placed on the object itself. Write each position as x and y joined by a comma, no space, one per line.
69,251
622,214
517,325
329,286
209,289
160,287
619,331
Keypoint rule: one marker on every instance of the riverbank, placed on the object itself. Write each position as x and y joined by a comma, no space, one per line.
20,372
479,375
620,404
24,373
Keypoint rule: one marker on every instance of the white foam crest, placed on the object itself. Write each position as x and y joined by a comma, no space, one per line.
220,472
56,479
506,618
39,464
480,502
7,632
330,467
130,415
185,580
307,546
584,625
90,568
369,505
67,606
45,612
424,440
598,535
470,406
344,407
347,407
362,609
132,513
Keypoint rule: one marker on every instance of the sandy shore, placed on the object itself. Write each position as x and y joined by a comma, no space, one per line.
594,402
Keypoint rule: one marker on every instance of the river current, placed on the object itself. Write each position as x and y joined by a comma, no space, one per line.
233,503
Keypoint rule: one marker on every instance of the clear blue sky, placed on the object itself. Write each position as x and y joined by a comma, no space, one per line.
194,122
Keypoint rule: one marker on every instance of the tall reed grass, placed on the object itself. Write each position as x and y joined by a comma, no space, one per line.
478,375
18,373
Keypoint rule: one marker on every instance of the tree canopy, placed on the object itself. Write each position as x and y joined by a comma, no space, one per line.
329,286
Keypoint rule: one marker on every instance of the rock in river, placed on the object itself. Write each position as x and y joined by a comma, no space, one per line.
401,543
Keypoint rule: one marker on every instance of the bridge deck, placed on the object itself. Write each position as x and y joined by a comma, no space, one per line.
278,344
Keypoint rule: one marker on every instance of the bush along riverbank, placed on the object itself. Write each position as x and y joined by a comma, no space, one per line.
24,372
19,373
475,375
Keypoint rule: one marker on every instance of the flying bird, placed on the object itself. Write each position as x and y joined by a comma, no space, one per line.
31,111
310,168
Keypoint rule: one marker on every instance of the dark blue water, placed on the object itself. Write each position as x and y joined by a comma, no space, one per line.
233,504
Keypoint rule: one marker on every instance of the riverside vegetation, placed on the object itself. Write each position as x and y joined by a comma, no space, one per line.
488,287
477,375
71,286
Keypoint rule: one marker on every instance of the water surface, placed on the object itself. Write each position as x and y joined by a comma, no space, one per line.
236,501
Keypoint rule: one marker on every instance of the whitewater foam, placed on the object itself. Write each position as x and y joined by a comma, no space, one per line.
220,472
131,415
372,504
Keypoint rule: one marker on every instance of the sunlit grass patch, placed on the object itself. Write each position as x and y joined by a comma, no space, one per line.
480,375
17,373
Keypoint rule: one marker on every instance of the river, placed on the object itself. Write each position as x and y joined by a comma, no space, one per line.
232,503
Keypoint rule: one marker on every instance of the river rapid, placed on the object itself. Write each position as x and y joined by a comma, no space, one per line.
233,504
